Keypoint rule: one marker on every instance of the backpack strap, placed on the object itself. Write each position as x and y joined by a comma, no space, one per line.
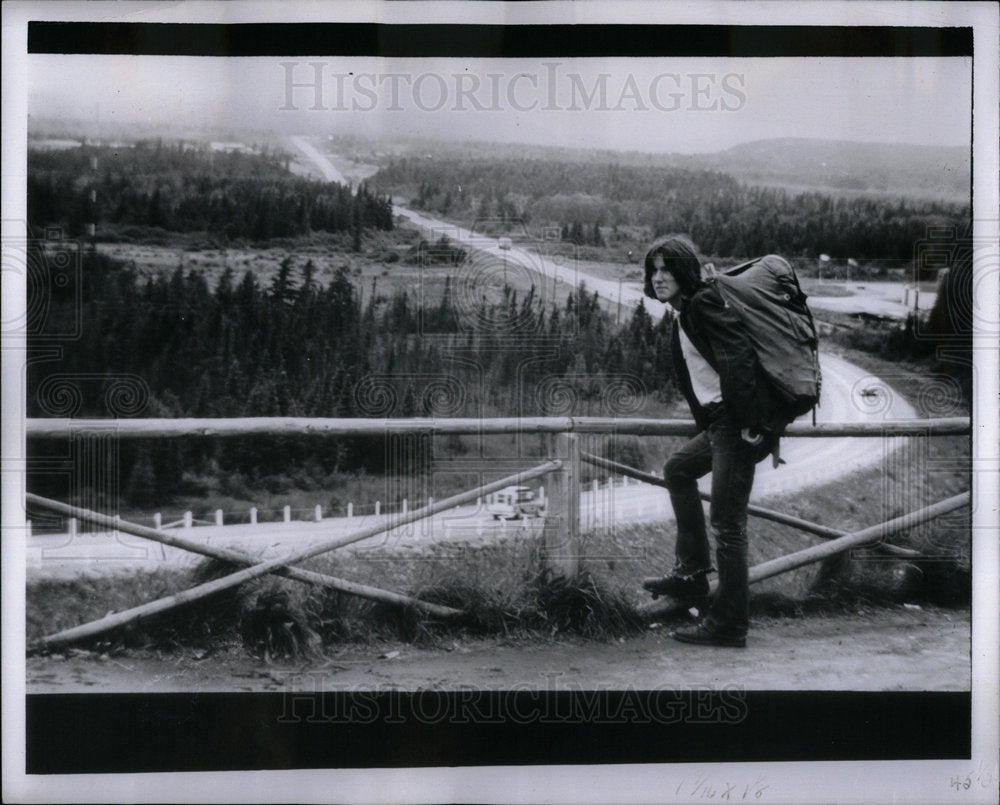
776,458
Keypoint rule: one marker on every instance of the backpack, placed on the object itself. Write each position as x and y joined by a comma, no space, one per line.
765,295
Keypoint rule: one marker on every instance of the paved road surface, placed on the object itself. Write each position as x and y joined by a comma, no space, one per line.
326,168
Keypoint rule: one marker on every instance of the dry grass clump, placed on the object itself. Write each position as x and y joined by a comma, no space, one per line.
270,617
275,622
545,605
484,611
586,607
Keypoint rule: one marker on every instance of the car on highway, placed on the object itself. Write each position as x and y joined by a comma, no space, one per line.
513,503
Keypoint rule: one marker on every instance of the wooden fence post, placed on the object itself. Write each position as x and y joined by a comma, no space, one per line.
188,519
157,521
561,535
253,515
287,514
319,513
218,516
350,510
72,527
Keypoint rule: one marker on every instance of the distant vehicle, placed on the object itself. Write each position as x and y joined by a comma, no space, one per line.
513,503
504,243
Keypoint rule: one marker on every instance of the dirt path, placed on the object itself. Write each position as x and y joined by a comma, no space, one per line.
882,649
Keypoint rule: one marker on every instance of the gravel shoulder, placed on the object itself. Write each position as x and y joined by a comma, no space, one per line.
894,649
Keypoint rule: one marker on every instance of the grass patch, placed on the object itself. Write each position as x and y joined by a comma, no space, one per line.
933,393
584,606
500,589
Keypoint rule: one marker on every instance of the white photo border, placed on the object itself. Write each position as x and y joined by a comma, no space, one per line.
861,781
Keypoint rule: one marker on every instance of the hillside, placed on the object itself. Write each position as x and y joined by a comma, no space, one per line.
917,170
862,168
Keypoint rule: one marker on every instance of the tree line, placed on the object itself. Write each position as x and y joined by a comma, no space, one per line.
725,217
296,347
184,188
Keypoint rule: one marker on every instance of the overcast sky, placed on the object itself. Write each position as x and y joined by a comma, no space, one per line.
659,105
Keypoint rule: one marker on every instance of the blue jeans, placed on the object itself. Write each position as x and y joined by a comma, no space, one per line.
732,461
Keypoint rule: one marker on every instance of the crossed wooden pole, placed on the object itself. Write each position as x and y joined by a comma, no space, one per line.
757,511
237,557
280,565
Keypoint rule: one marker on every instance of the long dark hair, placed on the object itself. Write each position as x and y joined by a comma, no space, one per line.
680,258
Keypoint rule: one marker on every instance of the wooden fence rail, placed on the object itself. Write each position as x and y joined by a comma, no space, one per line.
288,426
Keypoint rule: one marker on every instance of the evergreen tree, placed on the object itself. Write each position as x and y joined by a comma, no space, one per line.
307,290
596,238
281,284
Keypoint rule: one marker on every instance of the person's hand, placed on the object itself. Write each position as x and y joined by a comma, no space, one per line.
751,436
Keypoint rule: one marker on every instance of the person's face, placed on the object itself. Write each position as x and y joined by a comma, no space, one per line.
664,285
